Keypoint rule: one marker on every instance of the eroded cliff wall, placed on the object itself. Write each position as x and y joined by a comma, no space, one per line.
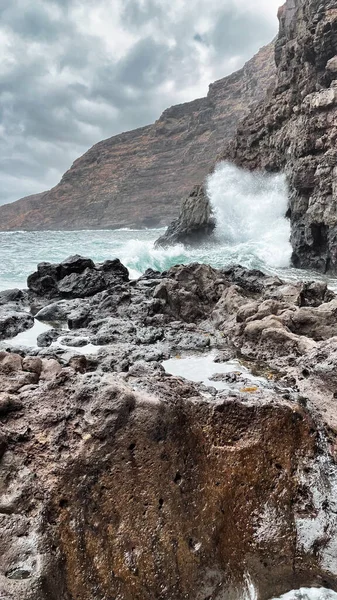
296,128
139,178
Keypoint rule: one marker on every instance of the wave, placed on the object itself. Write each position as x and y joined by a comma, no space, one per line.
250,209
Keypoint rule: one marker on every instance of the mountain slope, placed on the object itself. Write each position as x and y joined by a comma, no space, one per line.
139,178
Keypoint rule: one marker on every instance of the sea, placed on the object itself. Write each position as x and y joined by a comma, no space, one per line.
251,231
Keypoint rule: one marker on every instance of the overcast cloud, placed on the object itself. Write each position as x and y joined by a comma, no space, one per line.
74,72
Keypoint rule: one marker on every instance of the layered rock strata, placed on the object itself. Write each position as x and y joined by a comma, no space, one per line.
119,480
139,178
295,130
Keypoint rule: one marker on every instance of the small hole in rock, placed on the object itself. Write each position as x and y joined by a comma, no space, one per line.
161,503
177,478
18,574
63,503
132,447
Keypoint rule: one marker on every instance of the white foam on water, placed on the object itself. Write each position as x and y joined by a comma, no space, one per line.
139,255
310,594
250,209
28,337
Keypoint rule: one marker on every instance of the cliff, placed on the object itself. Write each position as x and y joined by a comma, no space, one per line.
139,178
296,128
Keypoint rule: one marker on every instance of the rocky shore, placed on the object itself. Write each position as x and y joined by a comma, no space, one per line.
121,480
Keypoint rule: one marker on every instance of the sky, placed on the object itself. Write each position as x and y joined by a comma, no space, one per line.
74,72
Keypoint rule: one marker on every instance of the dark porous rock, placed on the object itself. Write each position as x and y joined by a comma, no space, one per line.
114,270
46,338
150,275
294,130
14,313
75,277
3,445
136,484
13,321
252,280
190,292
56,311
83,285
74,264
195,222
12,296
42,285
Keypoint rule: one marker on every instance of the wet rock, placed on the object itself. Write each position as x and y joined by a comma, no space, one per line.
13,321
88,283
74,264
75,277
114,271
46,338
14,295
195,222
57,311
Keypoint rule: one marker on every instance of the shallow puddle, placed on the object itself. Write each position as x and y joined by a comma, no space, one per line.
29,337
222,376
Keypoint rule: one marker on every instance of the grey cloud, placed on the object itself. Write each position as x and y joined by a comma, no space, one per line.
68,93
239,33
136,14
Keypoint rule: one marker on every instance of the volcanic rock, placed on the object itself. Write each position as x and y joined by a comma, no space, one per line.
75,277
195,222
159,492
295,129
118,480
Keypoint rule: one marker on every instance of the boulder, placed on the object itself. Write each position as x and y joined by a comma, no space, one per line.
13,321
195,223
75,277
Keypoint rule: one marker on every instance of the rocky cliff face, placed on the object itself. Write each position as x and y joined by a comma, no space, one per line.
139,178
296,129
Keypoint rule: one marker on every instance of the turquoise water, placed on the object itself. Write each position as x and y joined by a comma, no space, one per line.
20,252
251,230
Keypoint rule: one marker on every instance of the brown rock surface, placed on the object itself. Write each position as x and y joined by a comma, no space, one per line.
110,492
139,178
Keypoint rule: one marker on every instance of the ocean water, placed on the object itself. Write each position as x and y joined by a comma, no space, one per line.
251,231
